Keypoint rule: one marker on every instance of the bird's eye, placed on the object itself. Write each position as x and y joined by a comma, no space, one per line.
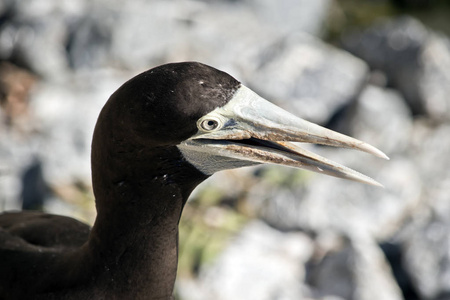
209,124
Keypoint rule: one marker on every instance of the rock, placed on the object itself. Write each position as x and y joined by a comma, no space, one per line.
355,269
310,78
332,274
434,82
146,33
425,235
382,117
372,272
398,45
425,238
28,26
394,255
292,15
89,40
260,263
429,147
66,114
415,60
217,33
345,207
426,256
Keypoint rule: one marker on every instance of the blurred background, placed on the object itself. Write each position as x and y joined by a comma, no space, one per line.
378,70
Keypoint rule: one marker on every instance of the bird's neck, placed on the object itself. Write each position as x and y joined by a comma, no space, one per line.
140,194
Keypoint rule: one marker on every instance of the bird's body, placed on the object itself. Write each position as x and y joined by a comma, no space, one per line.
159,136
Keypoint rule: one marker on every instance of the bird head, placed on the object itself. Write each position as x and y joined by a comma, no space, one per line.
218,123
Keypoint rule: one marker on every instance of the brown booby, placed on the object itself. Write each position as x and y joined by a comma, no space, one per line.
159,135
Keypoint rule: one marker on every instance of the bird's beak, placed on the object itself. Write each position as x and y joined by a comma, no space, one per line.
250,130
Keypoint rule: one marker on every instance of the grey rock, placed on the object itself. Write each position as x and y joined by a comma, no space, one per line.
66,114
60,124
260,263
430,144
330,204
332,275
355,269
426,237
394,47
88,43
415,60
310,78
382,117
33,34
434,82
229,35
292,15
427,258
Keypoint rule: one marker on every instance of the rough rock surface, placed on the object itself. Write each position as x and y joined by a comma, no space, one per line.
258,265
415,60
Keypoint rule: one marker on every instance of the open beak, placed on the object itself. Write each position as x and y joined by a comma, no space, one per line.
250,130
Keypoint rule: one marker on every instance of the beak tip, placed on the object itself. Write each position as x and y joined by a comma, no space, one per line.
375,151
370,181
356,176
384,156
377,184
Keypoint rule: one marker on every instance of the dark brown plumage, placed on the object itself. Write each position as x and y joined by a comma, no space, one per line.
141,183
